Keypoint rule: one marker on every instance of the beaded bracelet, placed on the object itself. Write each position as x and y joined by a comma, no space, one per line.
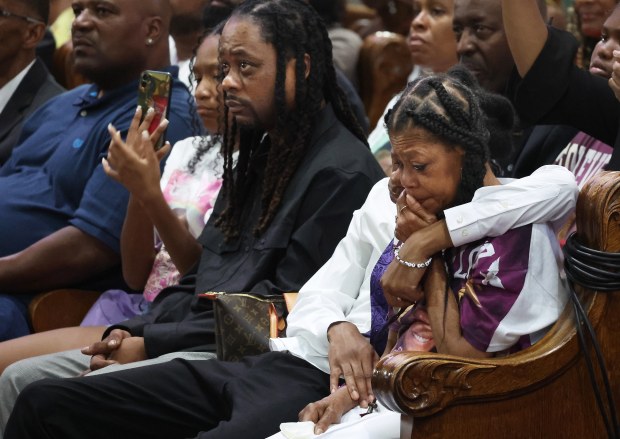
410,264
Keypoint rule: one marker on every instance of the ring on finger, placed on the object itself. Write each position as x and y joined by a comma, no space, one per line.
402,208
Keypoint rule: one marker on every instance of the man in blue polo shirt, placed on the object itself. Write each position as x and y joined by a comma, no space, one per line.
60,215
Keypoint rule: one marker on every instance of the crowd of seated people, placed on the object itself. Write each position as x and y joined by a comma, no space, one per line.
273,201
57,199
25,81
268,182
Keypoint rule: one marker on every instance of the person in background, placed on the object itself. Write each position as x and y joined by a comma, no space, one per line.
61,215
584,155
482,47
550,89
433,49
25,82
591,15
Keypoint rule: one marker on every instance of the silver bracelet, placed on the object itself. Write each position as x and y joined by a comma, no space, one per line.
410,264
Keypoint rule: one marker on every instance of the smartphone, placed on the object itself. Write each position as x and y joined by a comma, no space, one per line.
154,91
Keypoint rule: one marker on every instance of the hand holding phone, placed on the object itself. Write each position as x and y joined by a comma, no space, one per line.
135,163
154,91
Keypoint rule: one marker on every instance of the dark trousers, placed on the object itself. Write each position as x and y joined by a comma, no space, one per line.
178,399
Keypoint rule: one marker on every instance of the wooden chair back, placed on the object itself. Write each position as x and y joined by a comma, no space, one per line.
384,66
541,392
60,308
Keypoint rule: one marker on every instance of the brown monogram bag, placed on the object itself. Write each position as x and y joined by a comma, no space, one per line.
244,322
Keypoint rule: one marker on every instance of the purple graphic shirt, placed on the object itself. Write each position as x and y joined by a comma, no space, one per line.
584,156
497,268
516,304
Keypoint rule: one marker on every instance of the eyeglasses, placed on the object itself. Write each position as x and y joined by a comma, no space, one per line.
6,14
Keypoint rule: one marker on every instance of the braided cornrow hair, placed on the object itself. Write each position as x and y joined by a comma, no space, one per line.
294,29
450,111
451,108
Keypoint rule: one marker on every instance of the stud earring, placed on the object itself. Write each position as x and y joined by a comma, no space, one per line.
149,41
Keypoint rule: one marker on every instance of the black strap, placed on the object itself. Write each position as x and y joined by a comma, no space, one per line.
595,270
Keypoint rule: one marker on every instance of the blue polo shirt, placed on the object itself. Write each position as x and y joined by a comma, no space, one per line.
54,178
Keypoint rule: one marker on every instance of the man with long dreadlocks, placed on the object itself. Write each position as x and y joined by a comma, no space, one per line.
303,167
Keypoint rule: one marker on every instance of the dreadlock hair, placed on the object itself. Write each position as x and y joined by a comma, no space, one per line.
446,107
294,29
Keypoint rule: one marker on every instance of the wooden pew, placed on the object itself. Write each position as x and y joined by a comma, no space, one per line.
541,392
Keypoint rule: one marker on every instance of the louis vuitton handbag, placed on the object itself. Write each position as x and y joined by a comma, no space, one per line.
244,322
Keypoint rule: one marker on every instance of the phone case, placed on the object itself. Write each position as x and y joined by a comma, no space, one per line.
154,91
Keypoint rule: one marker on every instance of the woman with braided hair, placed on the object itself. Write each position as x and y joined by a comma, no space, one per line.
493,296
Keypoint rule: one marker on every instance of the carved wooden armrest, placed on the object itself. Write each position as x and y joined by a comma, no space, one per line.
423,383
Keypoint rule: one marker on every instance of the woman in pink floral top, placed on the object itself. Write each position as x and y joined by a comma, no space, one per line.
176,208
